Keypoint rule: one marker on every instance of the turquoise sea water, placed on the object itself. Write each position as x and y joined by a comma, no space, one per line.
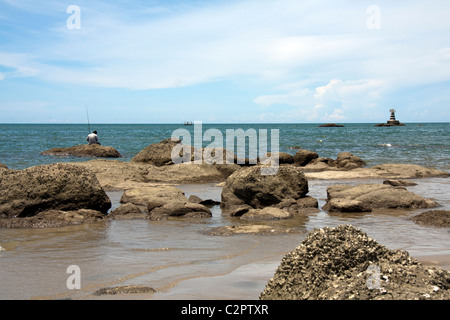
177,257
426,144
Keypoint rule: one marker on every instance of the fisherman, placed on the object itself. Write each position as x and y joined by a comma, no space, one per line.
92,138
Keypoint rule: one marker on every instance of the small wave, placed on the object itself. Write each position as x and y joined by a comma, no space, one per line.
385,145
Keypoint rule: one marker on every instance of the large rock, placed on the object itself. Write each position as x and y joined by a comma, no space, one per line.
178,209
384,171
57,186
373,196
303,157
249,186
157,195
85,150
348,161
158,154
161,202
343,263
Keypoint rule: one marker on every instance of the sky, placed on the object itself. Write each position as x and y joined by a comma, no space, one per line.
224,61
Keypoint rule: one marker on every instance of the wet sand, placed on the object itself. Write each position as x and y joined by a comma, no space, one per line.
181,261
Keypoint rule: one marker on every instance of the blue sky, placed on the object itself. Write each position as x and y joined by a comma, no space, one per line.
248,61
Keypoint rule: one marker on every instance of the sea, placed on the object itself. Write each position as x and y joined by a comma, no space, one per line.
178,257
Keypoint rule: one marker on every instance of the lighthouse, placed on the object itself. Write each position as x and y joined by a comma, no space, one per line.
391,122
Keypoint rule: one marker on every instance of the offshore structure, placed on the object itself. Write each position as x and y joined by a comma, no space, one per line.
392,122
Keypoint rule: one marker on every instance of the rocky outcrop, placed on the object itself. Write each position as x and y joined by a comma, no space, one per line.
312,162
399,183
343,263
330,125
60,186
127,211
85,150
249,229
54,219
435,218
115,174
267,213
161,202
3,166
124,290
385,171
303,157
348,161
157,154
366,197
249,187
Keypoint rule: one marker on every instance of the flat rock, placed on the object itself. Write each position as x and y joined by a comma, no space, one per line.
124,290
54,219
267,213
249,229
373,196
85,150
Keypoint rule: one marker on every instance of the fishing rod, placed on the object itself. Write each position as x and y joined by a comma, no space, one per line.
89,125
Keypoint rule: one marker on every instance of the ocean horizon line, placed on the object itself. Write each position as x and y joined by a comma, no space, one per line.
211,123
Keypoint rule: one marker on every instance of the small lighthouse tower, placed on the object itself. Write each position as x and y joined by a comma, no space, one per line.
392,120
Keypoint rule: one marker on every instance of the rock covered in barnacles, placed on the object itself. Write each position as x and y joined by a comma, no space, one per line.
343,263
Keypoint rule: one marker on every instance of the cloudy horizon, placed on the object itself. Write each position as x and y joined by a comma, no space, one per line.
249,61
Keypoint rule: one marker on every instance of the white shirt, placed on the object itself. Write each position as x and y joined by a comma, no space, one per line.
92,138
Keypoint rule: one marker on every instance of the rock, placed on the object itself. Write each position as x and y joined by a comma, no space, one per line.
163,201
187,173
348,161
390,125
248,186
3,166
374,196
268,213
123,290
127,211
399,183
407,171
248,229
303,157
178,209
54,219
385,171
435,218
328,125
57,186
158,154
283,157
303,205
85,150
343,263
154,195
194,199
347,205
119,175
207,202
